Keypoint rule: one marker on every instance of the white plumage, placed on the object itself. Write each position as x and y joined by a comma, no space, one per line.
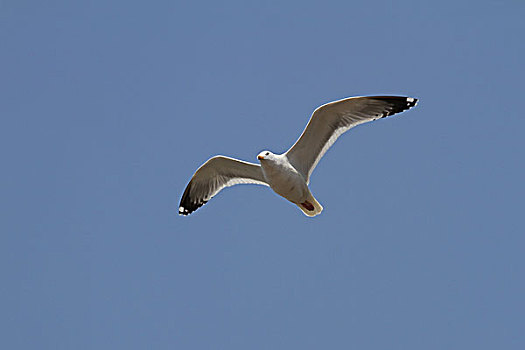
288,174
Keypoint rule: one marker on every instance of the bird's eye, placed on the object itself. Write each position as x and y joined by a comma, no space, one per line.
267,153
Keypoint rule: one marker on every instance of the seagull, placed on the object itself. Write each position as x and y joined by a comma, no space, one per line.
288,174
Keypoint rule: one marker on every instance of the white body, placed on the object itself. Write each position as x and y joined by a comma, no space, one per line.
283,178
287,182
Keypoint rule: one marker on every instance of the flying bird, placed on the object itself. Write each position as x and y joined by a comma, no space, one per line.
288,174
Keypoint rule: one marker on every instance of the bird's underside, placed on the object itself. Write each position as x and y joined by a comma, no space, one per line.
288,174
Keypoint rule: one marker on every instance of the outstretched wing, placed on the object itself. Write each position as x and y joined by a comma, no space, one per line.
331,120
218,172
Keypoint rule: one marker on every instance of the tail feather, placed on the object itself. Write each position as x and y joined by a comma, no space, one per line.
311,206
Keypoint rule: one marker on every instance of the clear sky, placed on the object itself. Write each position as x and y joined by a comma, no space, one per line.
108,107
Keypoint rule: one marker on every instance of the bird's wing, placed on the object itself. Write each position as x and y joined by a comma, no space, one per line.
214,175
331,120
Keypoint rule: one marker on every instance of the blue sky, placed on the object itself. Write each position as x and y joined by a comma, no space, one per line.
109,107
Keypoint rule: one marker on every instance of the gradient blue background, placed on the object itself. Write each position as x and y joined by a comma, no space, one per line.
108,107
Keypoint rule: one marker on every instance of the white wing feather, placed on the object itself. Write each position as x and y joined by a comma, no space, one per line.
214,175
331,120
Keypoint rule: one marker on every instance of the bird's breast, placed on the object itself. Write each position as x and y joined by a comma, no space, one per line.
286,182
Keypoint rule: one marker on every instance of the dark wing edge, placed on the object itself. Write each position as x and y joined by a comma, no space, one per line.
214,175
397,104
187,204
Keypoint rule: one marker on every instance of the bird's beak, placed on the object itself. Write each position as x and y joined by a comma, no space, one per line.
260,157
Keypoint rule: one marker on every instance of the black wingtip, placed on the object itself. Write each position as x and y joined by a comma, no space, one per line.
397,104
185,211
411,102
187,204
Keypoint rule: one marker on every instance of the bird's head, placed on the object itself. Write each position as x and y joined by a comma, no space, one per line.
265,155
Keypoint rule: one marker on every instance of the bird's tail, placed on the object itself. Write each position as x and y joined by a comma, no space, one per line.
311,206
